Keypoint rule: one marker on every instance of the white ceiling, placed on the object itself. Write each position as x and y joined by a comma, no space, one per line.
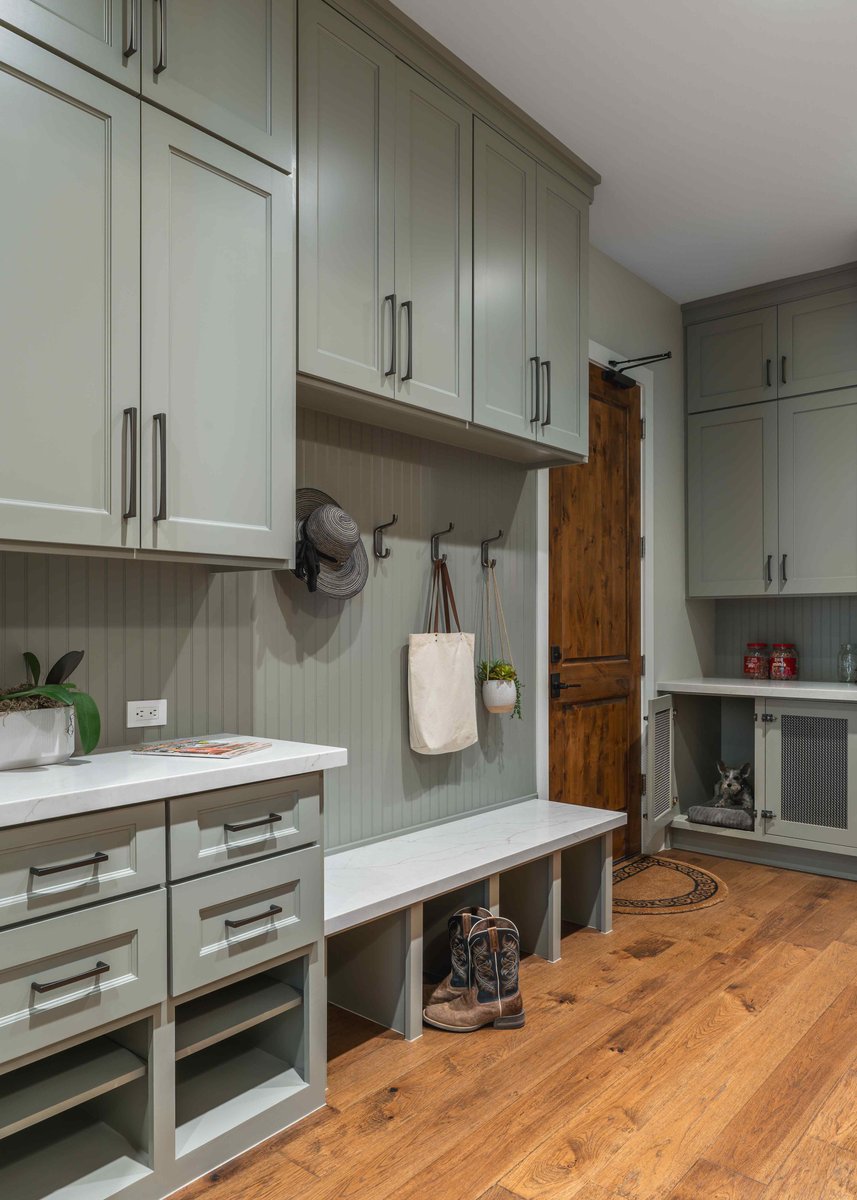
725,130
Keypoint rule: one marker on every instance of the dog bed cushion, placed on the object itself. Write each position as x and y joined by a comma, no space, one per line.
728,818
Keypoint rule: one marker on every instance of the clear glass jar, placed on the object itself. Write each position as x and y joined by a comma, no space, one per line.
784,661
757,661
847,662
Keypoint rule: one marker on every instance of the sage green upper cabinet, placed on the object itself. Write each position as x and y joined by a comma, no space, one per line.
227,67
69,307
562,240
818,493
732,361
347,136
434,265
505,367
818,343
732,502
217,427
103,35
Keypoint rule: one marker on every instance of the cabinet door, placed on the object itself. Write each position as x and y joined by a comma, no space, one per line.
818,493
227,67
103,35
347,100
562,238
69,306
811,772
505,367
732,361
218,366
660,796
434,263
818,343
732,502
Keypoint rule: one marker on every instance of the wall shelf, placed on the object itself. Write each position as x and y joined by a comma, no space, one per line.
218,1015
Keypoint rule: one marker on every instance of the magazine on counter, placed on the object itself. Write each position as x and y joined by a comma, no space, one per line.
201,748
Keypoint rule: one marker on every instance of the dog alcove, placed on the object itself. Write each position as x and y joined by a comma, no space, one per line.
708,729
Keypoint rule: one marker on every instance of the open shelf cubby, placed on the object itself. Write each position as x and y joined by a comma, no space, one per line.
215,1016
708,728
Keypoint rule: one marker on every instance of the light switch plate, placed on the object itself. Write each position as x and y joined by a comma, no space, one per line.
146,712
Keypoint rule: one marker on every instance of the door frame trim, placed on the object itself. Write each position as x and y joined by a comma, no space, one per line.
646,379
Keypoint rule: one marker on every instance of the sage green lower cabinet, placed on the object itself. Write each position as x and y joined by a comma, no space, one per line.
217,427
732,361
818,343
732,502
103,35
69,311
818,493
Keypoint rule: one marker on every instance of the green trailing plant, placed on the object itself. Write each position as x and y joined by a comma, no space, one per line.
498,668
60,691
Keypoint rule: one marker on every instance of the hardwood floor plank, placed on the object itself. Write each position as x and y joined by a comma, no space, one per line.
715,1183
836,1120
815,1170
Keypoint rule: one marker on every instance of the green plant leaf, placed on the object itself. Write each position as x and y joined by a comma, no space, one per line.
64,667
88,721
34,667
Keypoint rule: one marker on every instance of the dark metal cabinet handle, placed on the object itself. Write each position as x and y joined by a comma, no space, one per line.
100,968
161,424
783,369
408,307
271,819
546,367
767,372
131,45
768,568
785,577
131,465
98,857
537,389
161,60
270,912
391,300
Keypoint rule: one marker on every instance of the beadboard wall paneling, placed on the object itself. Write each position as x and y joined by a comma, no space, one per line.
334,672
149,630
816,625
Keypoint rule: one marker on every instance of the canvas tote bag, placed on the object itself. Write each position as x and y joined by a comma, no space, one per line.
441,687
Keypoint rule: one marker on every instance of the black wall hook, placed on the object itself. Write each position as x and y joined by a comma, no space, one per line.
493,563
378,538
435,544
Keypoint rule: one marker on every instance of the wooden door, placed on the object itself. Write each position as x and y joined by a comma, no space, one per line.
347,113
732,543
103,35
732,361
818,493
596,717
218,377
434,263
505,366
69,306
818,343
226,67
562,239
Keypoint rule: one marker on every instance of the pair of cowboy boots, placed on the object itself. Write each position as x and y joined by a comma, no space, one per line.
482,987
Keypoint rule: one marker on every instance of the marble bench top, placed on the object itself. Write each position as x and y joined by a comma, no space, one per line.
367,882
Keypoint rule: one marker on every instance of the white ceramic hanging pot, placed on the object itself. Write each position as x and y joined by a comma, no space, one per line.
36,738
498,695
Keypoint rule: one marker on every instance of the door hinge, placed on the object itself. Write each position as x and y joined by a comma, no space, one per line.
642,429
767,717
643,788
643,547
642,664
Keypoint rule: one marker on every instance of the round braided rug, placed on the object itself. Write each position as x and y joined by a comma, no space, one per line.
648,884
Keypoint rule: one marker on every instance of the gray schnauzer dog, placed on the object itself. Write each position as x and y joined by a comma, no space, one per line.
732,789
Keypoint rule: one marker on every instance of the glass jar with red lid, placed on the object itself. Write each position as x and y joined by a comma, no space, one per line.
757,661
784,661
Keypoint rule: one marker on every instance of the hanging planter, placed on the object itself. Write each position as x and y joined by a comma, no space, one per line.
501,688
499,695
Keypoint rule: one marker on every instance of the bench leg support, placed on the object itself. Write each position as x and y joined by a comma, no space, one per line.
375,971
530,896
492,894
587,883
413,973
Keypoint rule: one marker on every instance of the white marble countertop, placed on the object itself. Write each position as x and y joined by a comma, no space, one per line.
370,881
776,689
114,778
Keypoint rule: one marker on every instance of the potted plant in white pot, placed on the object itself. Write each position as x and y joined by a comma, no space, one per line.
38,720
501,688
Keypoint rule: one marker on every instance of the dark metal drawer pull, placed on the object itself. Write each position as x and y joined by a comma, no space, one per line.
391,300
131,466
273,911
98,857
161,61
131,45
271,819
160,420
767,372
408,308
100,968
783,369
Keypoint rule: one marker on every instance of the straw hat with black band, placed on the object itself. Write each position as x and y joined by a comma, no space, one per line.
330,555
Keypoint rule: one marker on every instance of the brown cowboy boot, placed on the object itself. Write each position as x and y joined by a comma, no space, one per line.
494,997
458,980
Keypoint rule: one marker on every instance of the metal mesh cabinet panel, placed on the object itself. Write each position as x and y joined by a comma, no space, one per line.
815,771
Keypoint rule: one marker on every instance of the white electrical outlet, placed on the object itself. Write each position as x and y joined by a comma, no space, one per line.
146,712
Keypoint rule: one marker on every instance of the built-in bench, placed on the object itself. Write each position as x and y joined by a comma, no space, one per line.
387,903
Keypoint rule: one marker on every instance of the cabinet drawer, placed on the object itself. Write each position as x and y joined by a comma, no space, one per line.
233,825
64,975
62,864
222,924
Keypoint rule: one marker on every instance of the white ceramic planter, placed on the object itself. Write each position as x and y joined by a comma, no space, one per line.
37,738
498,695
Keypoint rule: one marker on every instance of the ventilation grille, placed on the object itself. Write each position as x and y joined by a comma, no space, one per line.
815,771
661,799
